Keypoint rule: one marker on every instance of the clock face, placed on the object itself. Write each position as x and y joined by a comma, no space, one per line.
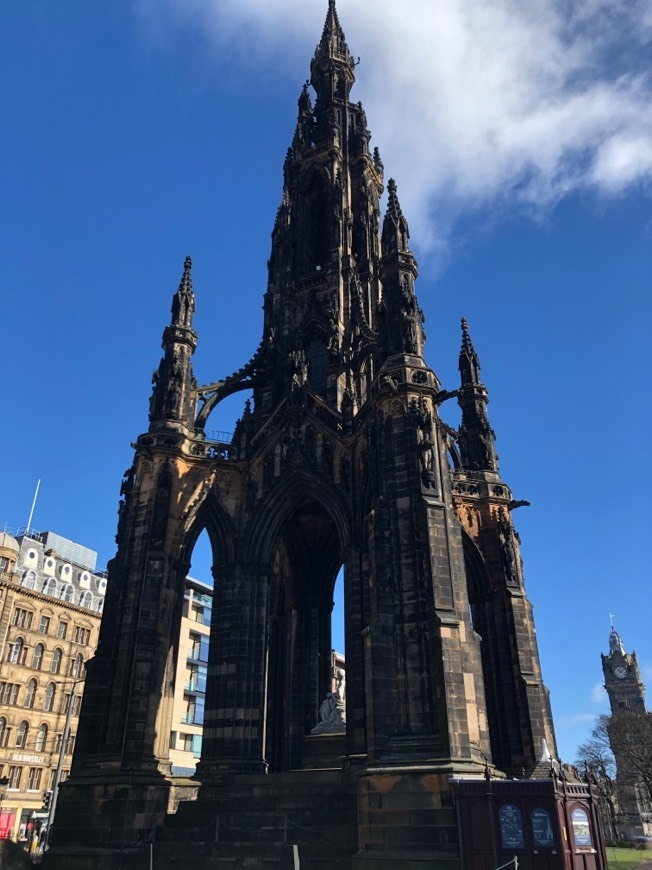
620,672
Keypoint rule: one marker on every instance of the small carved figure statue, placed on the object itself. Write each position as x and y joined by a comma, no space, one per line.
333,709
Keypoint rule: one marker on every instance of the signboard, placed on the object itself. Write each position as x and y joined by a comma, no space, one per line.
7,822
581,828
510,822
542,832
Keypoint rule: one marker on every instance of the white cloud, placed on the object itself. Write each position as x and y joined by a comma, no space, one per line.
599,694
494,104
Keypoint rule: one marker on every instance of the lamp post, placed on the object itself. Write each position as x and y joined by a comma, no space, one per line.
62,751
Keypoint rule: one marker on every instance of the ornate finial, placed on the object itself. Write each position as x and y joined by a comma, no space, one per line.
187,264
467,344
333,41
615,640
611,619
393,205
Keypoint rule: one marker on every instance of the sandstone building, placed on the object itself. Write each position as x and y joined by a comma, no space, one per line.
51,600
343,458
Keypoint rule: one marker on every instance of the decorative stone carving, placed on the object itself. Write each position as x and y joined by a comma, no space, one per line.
332,712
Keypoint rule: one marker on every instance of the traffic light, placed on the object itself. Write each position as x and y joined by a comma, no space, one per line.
47,800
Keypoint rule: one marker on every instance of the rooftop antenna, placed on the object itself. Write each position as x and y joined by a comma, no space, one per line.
31,513
611,617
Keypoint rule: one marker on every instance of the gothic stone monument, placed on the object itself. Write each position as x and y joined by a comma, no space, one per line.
342,459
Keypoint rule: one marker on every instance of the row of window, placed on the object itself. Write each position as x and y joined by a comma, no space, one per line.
17,655
23,618
63,591
23,741
31,560
9,696
35,778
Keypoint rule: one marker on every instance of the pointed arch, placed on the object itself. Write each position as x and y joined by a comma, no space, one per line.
300,485
208,515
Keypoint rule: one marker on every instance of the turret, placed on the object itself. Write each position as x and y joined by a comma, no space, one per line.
476,437
398,271
172,402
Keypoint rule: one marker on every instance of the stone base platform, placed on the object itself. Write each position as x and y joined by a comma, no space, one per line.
340,819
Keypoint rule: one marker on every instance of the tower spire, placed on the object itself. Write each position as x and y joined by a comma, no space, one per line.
403,316
173,382
332,70
477,438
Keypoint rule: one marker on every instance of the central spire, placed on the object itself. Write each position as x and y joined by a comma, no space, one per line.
332,70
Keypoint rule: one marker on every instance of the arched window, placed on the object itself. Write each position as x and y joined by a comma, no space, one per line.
100,605
16,651
48,703
77,666
3,731
55,666
50,587
86,600
21,735
30,694
29,580
317,359
67,593
41,738
37,658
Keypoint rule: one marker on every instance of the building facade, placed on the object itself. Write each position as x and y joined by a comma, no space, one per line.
190,678
626,691
51,601
342,459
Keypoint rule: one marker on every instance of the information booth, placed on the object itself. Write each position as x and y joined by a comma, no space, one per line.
548,824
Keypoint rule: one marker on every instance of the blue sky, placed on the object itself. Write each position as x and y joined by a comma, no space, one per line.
521,141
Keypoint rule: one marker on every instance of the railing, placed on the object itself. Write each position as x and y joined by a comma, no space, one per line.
217,435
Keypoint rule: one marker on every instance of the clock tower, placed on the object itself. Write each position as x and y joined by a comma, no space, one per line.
622,680
622,677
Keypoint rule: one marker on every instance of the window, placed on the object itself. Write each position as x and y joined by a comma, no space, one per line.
201,614
29,580
22,618
4,731
199,649
194,714
76,705
67,593
50,588
196,678
190,743
77,666
86,600
17,652
82,635
41,738
48,703
30,694
64,775
62,630
70,744
15,774
4,563
317,359
21,735
9,693
37,658
34,779
55,665
44,625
